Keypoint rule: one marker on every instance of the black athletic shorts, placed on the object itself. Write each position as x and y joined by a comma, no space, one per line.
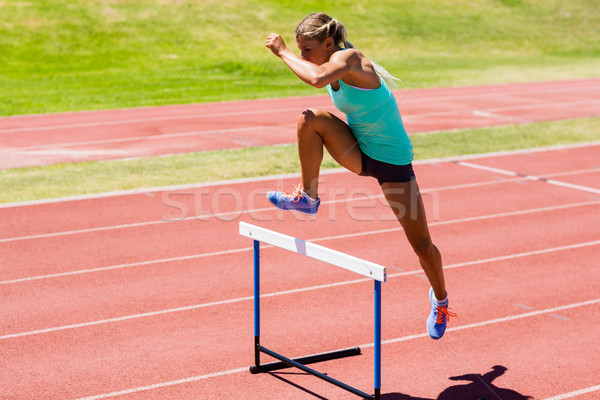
385,172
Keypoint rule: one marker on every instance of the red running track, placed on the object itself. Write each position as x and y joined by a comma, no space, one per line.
116,134
148,295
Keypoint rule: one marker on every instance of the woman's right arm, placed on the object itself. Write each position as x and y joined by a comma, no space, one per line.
315,75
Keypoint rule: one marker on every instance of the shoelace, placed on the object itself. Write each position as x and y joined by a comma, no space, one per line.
442,312
294,196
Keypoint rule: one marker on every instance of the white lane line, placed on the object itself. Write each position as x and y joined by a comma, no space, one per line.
333,171
486,114
238,213
198,113
37,149
529,177
152,190
180,309
490,112
575,393
364,346
493,321
121,266
293,291
139,120
335,237
87,230
166,384
493,111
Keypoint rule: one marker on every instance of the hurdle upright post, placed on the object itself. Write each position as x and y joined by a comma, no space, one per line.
256,303
377,341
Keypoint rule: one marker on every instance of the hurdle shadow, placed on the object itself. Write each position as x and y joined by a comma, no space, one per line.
481,387
280,375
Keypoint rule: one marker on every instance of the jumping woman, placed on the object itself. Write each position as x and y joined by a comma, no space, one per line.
372,143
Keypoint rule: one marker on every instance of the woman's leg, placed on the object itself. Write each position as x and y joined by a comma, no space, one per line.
316,129
405,200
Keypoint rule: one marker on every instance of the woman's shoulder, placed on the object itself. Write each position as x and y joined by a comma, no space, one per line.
348,54
351,57
361,73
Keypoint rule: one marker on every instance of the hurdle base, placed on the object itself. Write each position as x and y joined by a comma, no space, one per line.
300,364
274,366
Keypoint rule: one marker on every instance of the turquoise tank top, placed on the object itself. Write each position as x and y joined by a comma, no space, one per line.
375,121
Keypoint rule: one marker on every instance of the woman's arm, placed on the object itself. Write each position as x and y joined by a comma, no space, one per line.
341,63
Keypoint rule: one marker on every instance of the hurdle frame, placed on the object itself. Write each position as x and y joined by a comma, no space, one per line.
371,270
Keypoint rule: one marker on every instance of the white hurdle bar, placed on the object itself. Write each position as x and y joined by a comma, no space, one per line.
346,261
366,268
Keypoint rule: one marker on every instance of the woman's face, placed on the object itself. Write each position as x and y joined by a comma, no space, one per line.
314,51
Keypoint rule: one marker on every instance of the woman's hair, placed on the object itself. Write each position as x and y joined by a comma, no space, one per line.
320,26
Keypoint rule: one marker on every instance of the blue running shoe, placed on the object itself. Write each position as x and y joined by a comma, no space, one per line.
298,200
436,323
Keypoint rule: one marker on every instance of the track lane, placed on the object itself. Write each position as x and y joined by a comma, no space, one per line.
97,356
157,270
403,312
114,134
155,205
98,249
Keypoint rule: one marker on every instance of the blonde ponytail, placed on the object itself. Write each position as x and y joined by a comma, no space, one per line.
388,78
385,75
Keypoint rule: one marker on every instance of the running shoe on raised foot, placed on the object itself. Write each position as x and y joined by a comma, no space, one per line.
298,200
436,323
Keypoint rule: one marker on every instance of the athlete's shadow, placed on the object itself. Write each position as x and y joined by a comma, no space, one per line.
480,387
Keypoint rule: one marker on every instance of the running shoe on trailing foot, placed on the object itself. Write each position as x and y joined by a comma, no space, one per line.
439,316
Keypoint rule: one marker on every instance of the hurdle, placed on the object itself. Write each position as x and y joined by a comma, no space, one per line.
371,270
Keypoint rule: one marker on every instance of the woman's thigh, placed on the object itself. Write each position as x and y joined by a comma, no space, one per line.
336,135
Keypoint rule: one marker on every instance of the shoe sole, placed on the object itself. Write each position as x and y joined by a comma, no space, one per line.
293,209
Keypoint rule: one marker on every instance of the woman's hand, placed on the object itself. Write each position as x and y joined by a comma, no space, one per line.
275,43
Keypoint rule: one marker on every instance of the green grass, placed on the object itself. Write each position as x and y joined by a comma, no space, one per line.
67,55
97,177
64,55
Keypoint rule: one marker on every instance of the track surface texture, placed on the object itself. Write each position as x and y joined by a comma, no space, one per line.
148,294
139,132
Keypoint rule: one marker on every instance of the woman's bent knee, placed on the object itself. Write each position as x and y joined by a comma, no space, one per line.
308,115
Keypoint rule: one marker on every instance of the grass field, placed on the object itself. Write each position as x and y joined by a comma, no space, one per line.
98,177
67,55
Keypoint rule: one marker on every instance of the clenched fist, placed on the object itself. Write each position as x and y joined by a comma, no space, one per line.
275,43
